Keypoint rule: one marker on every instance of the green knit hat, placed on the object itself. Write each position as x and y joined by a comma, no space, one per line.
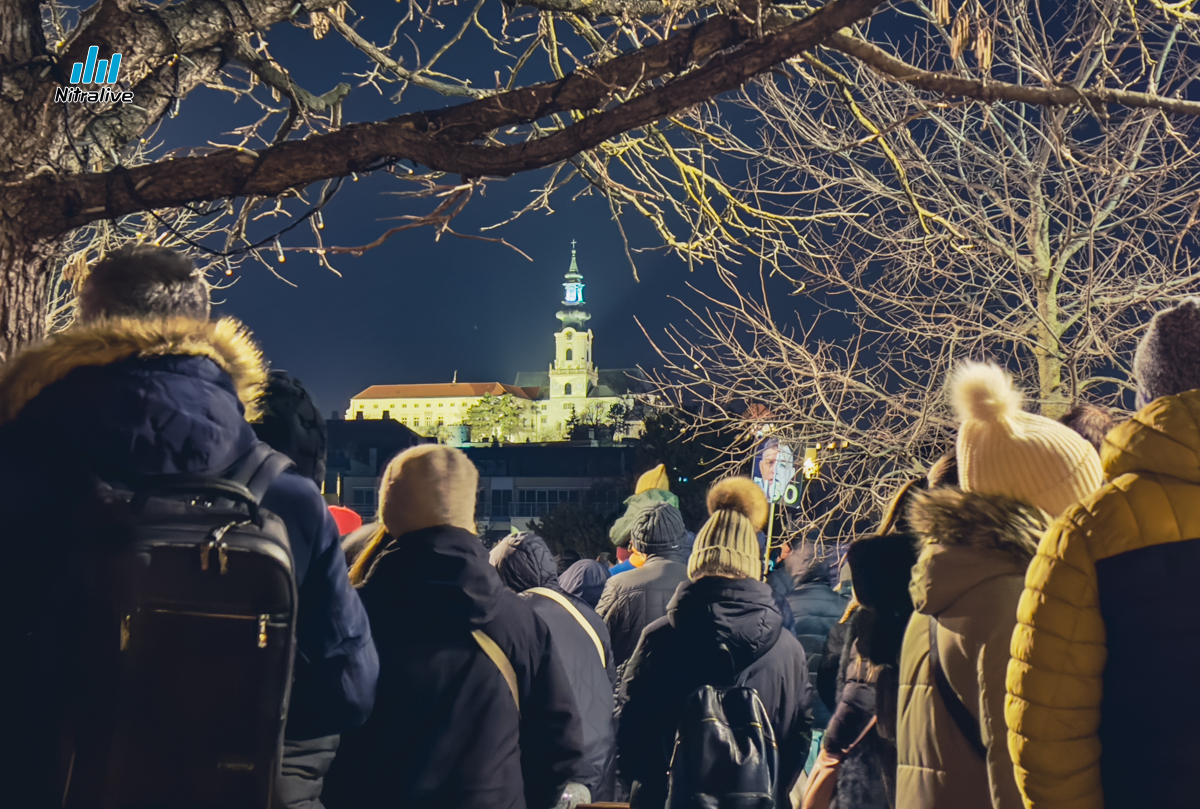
727,545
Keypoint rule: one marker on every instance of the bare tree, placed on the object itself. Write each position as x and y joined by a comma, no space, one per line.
917,231
626,72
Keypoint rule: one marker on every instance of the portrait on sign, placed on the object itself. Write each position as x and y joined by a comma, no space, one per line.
774,468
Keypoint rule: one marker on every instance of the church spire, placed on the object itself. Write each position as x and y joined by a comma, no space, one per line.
573,314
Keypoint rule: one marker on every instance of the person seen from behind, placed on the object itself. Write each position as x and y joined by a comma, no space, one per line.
1111,606
474,709
1017,471
652,487
291,423
816,609
145,384
856,765
722,627
585,580
527,567
634,599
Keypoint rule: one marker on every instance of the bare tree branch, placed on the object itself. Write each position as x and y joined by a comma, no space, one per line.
992,91
440,140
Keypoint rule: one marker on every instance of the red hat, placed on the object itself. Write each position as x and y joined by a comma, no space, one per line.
347,519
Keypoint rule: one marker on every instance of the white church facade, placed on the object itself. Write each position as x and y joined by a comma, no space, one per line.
572,387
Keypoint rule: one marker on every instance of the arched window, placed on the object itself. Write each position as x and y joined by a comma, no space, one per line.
570,355
567,388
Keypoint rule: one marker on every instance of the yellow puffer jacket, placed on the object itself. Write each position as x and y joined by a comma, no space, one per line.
1059,648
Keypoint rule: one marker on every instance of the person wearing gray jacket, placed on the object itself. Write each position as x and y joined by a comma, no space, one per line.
638,597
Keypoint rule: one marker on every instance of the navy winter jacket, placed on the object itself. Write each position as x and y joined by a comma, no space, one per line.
125,399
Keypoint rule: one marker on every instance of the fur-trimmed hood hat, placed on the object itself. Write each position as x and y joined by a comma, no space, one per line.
1004,532
226,342
727,545
427,486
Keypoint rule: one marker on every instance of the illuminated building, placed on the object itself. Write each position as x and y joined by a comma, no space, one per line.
572,386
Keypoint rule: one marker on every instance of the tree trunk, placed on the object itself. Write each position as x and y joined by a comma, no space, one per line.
23,292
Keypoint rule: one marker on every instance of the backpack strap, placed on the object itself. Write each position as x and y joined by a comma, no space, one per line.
497,656
258,468
962,717
577,615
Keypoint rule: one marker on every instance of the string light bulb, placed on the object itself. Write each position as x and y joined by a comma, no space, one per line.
280,257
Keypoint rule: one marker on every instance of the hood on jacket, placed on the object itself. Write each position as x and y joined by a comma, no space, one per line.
585,580
524,561
880,567
1163,437
105,342
439,577
643,500
967,538
139,397
739,614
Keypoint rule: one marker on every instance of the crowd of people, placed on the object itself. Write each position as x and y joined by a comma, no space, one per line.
992,643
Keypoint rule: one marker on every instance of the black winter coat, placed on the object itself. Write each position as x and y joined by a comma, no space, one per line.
682,652
445,732
638,597
817,609
525,562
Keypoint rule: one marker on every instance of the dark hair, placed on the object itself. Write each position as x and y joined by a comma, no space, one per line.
1090,421
292,424
144,281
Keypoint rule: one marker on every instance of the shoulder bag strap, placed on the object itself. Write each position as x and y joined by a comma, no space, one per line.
958,711
583,622
497,656
258,468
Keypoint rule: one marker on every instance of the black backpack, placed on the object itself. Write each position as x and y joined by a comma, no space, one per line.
187,648
725,755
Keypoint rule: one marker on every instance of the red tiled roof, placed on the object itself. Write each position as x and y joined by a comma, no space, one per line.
447,390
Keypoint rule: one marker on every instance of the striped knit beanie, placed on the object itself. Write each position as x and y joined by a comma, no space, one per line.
1003,450
727,545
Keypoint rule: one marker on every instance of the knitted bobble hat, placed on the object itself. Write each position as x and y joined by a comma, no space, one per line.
1003,450
1167,361
727,545
658,529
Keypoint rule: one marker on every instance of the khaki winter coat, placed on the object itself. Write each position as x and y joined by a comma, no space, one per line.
969,575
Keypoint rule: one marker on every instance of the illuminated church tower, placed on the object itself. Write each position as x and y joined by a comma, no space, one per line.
573,374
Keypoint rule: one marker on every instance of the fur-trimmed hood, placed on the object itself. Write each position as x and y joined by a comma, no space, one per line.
965,539
127,398
226,342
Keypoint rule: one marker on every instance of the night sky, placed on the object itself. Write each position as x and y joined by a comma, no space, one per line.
415,309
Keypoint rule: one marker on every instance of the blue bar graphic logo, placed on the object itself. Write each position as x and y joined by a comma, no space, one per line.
94,71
